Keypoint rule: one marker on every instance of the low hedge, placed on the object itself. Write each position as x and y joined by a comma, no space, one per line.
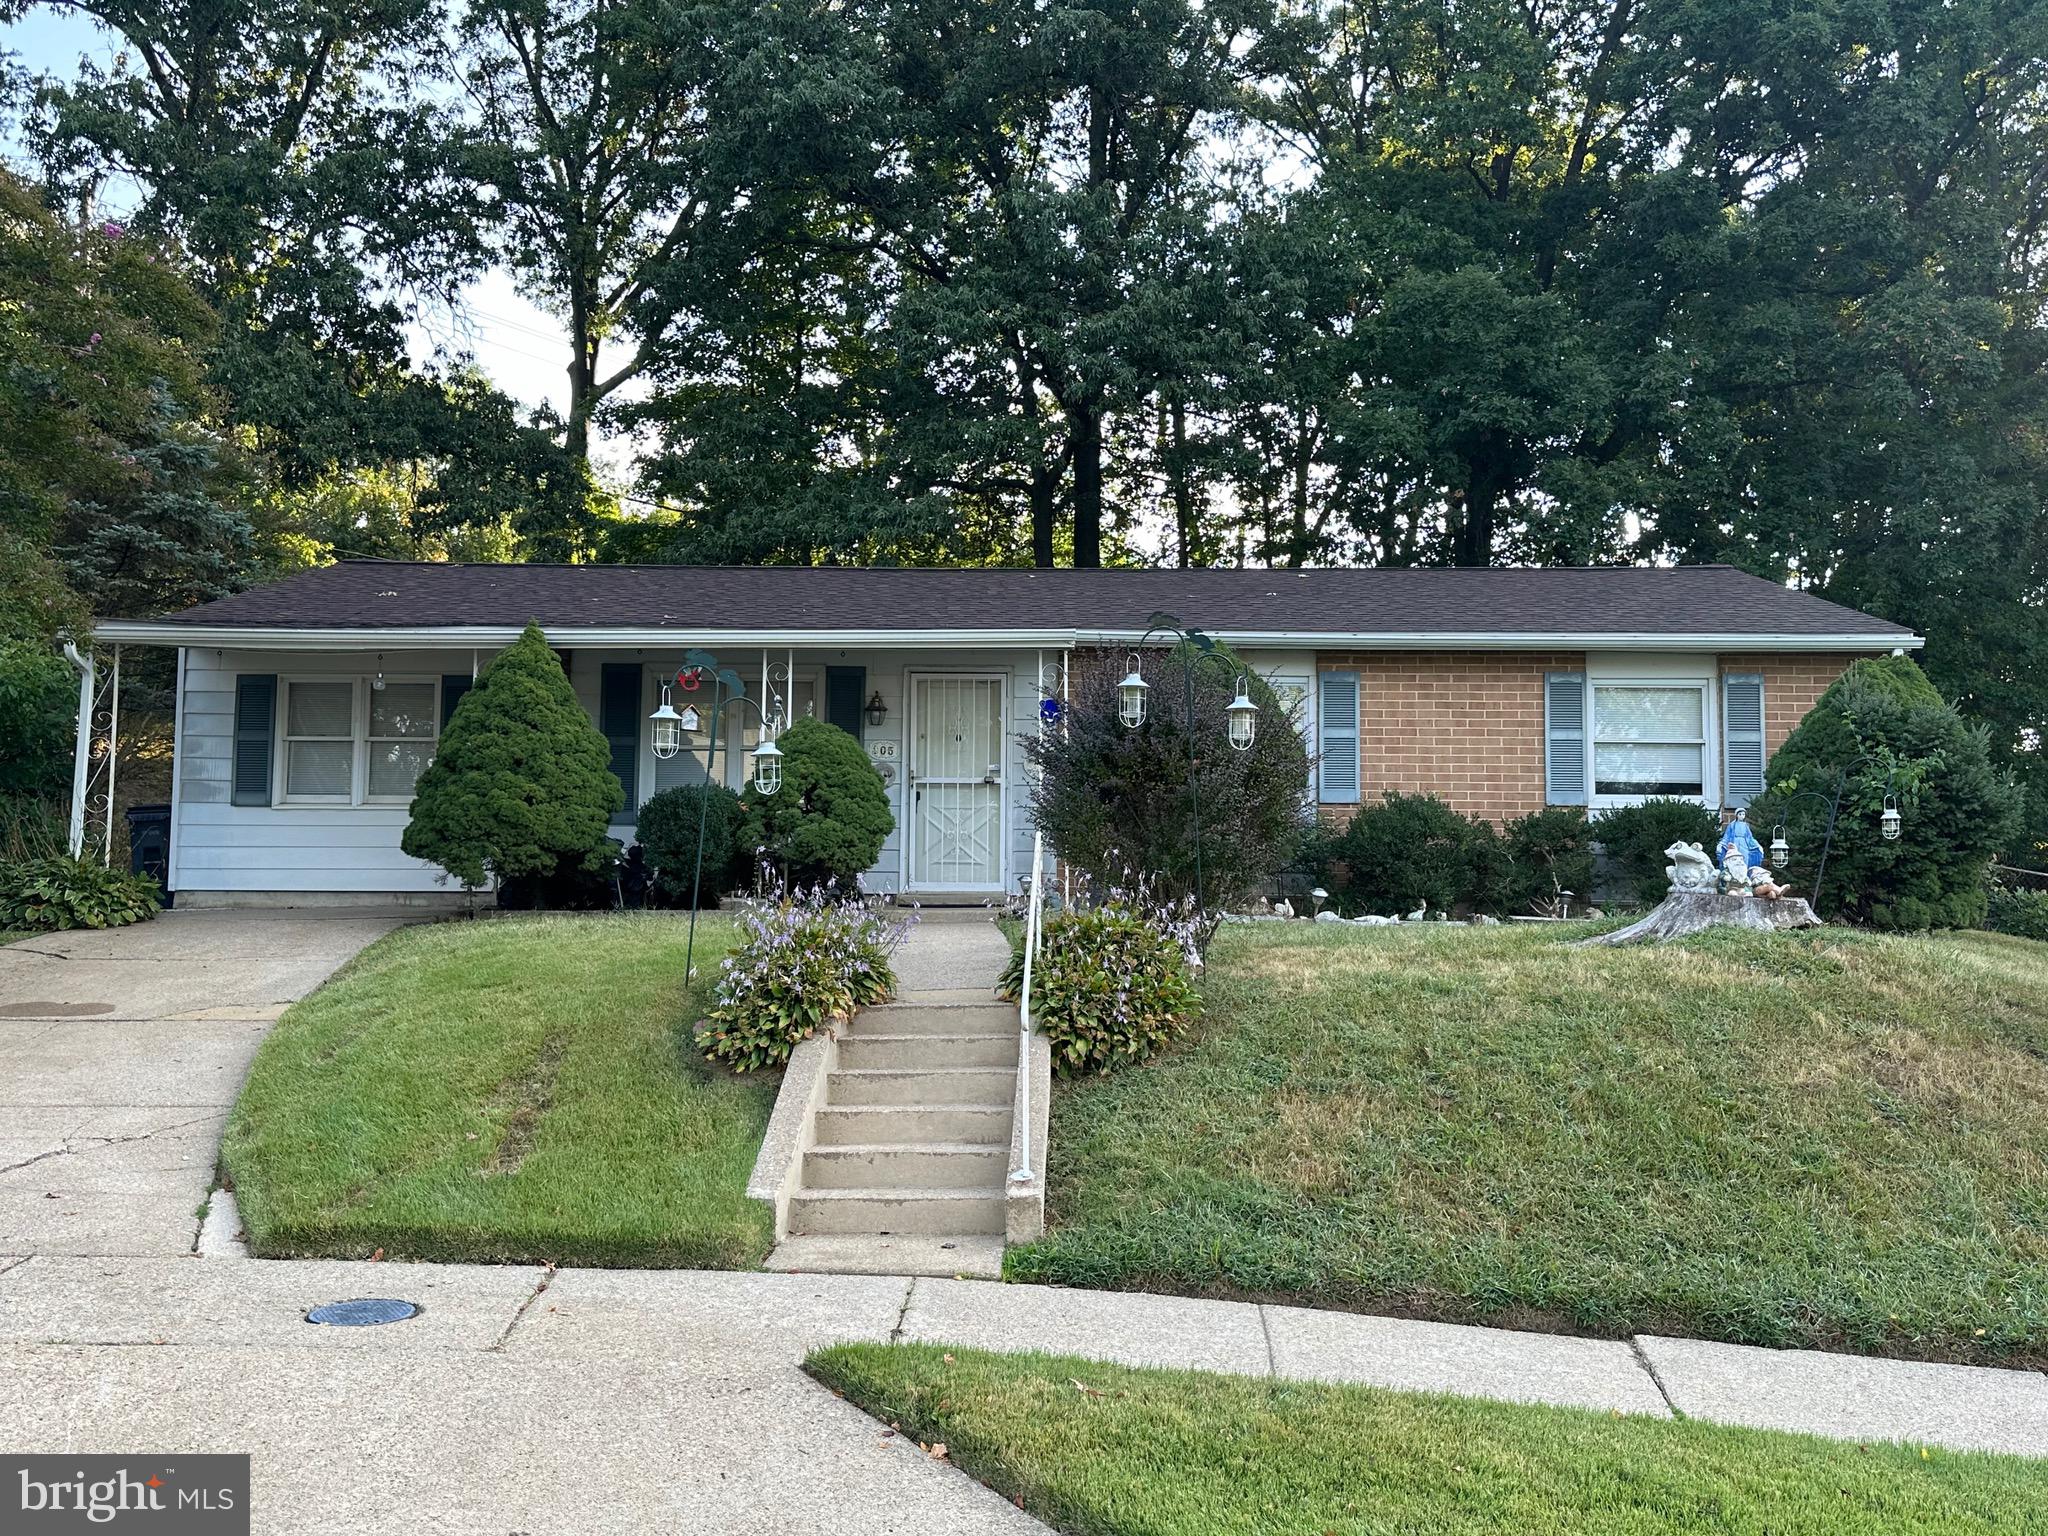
2023,913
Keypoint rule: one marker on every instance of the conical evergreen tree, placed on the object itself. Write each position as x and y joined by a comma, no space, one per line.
521,779
1884,724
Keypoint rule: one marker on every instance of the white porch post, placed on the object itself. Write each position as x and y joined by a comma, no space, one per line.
113,754
81,747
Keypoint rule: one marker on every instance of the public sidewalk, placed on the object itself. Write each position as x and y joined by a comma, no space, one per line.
523,1399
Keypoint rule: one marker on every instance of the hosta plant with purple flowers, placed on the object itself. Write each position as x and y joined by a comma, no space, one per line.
1109,985
803,962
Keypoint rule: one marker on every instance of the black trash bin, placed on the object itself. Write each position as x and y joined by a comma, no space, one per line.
149,844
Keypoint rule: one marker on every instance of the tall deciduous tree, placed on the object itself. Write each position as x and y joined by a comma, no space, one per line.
304,166
611,139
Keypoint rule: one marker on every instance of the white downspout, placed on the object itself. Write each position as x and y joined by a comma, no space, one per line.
81,749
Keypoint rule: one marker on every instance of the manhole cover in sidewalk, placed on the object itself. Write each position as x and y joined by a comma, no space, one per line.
363,1312
53,1010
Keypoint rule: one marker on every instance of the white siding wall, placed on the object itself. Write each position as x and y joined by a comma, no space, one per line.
218,846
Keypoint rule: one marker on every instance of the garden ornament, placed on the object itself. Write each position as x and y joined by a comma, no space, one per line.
1690,869
1738,837
1734,873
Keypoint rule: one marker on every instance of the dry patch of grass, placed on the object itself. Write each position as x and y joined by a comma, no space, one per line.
1833,1139
512,1090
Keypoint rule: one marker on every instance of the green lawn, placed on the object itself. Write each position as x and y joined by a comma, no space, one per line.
1836,1139
520,1089
1103,1450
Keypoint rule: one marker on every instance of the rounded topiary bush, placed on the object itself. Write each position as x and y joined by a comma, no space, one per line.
1108,986
1405,850
668,829
1884,723
827,822
1551,852
1633,838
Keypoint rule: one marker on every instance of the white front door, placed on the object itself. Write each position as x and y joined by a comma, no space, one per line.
956,782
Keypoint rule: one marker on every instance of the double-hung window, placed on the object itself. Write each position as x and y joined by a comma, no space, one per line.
350,742
1649,738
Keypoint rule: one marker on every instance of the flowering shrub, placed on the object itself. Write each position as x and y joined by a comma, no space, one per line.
1108,985
801,963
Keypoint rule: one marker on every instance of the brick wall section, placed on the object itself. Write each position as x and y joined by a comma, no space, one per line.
1793,684
1463,725
1468,725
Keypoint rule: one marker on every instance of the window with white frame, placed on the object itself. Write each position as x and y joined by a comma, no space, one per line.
348,741
1649,738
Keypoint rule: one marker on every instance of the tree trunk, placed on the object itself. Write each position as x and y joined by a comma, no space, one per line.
1084,424
1483,487
1045,510
1186,533
1688,912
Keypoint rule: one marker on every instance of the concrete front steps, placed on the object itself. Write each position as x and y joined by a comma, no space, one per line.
904,1170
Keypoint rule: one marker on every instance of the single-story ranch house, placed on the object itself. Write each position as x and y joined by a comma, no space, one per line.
306,709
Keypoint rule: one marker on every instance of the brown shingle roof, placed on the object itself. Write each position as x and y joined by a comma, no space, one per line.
1680,600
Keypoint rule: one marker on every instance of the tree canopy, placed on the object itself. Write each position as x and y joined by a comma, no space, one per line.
1413,282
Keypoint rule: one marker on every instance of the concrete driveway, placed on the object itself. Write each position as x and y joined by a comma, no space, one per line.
120,1054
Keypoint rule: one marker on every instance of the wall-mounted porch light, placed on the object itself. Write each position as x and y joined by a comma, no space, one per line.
877,710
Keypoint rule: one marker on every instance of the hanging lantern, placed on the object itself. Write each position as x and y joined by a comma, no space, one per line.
877,710
1131,694
768,767
1781,851
668,728
1889,823
1244,717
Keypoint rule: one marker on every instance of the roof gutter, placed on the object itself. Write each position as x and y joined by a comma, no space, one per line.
487,637
1495,640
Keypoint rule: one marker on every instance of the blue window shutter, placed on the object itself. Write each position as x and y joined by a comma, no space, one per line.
845,690
1742,737
453,686
618,711
255,737
1564,738
1337,720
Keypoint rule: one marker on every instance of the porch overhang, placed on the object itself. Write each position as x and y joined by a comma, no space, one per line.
491,637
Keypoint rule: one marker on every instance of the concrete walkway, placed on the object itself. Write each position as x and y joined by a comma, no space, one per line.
523,1399
120,1054
910,1144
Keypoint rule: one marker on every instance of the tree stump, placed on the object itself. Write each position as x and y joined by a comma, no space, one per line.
1688,912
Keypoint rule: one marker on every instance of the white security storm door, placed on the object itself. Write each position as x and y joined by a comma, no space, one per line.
957,751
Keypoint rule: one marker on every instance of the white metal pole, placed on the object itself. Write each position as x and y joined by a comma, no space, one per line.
81,746
113,755
1021,1174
